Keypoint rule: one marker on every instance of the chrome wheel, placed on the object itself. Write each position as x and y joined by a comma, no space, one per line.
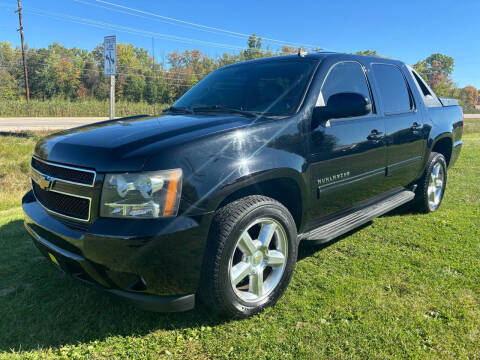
435,186
258,260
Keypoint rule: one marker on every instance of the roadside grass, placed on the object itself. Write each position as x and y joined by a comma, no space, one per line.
472,126
405,286
83,108
15,154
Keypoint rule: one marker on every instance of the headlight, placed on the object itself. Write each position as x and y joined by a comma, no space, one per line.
141,195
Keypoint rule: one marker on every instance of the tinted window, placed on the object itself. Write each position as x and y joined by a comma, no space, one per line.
421,84
392,87
428,96
275,88
345,77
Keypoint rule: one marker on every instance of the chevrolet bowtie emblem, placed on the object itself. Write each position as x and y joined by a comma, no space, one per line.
45,182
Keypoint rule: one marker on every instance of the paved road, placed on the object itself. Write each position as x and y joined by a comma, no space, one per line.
51,123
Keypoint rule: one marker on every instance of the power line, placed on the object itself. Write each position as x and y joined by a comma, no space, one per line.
169,20
134,31
201,26
25,70
145,17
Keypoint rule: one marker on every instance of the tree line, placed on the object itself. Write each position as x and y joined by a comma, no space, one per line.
77,74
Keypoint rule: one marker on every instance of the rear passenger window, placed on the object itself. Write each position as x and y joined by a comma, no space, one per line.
393,88
345,76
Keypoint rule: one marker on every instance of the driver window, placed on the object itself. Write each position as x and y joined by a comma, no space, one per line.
345,76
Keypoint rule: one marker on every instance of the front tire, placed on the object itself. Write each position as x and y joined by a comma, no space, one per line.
430,191
250,256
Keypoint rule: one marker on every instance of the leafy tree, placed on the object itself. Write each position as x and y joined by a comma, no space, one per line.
228,59
436,69
368,53
57,71
133,89
8,85
288,50
67,77
421,68
469,96
446,88
9,88
254,50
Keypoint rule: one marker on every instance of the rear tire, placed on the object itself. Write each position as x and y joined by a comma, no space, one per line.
431,188
250,256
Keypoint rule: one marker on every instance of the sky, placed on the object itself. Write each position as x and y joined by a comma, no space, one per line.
408,30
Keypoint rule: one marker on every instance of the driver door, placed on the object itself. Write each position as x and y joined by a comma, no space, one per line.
348,155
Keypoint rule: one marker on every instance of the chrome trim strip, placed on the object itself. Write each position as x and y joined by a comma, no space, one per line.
66,167
354,178
68,194
55,179
403,162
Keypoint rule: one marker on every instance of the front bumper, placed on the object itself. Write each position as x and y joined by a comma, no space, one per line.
154,264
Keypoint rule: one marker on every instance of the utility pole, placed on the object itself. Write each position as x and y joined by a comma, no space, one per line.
154,85
25,71
153,53
112,97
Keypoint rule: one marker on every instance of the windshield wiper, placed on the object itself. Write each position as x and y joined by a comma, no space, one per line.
220,108
176,109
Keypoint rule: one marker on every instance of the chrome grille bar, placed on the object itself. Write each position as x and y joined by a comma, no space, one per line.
46,183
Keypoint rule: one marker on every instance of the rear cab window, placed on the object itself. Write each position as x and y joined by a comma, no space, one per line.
393,88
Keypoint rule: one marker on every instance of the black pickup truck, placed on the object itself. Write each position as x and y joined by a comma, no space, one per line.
210,200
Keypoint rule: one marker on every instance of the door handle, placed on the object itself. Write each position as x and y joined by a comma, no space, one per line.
416,126
375,135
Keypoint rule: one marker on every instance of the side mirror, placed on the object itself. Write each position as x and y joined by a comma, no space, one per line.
342,105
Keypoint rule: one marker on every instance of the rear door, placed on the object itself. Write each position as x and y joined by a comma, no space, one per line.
403,125
348,155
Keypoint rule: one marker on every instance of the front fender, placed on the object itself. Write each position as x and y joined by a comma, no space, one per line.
218,165
264,176
247,162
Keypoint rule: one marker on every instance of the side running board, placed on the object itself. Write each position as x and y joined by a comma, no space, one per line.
353,220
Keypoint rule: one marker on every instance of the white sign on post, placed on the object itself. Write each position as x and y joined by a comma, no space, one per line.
110,67
110,55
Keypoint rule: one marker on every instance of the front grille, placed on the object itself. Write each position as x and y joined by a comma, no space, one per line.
86,177
66,205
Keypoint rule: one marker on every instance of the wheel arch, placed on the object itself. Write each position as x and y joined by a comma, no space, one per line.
443,144
284,185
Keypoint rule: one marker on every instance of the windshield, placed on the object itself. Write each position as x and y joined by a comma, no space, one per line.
271,88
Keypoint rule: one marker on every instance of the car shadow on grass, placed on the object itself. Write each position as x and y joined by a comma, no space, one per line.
404,210
42,307
307,248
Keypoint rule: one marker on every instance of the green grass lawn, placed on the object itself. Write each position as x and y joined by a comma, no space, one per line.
404,286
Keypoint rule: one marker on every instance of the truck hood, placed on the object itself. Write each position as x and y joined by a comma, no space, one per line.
126,144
